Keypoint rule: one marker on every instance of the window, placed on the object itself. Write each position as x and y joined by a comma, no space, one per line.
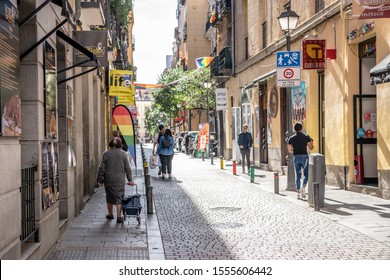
264,27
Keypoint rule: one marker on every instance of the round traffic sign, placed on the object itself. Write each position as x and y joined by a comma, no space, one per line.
288,73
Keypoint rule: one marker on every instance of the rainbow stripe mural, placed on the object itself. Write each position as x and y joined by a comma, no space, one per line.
122,121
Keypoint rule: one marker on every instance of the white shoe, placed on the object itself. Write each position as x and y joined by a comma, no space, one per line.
299,195
303,192
170,176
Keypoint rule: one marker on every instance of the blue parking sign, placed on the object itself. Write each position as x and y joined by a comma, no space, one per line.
288,59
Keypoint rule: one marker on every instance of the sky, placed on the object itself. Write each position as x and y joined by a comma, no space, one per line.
154,27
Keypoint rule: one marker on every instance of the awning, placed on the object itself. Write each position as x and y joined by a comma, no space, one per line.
87,53
380,73
263,77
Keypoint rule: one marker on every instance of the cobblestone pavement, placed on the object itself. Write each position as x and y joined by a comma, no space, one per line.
205,213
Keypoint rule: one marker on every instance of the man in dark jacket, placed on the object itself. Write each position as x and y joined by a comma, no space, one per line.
245,142
298,144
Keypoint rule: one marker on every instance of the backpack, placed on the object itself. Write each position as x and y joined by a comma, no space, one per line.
166,143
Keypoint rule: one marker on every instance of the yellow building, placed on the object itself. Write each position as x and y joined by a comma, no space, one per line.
339,45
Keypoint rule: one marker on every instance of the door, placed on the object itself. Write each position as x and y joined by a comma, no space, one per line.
236,129
263,123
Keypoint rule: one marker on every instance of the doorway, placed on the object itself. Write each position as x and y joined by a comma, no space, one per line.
263,123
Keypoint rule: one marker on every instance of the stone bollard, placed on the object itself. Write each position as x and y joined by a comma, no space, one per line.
252,173
234,167
316,192
149,199
221,162
276,182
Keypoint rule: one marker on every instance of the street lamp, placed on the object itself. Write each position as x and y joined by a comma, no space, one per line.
207,85
288,21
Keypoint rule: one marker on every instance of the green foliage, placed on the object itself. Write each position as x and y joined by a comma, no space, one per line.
183,90
121,10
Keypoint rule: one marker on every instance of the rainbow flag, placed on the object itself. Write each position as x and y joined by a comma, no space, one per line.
203,61
122,120
147,86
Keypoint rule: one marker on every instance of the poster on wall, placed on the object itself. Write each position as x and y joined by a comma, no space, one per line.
50,174
45,176
50,92
10,107
298,95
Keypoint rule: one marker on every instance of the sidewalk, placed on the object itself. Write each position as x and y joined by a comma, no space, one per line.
364,213
92,237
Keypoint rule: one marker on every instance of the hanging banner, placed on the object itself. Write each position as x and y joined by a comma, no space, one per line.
366,9
10,106
96,42
123,121
121,83
298,95
221,98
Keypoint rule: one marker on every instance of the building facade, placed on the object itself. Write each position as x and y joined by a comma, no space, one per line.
341,98
54,105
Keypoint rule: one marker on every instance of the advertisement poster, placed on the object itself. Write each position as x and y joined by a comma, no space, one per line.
299,104
10,106
50,180
50,91
45,177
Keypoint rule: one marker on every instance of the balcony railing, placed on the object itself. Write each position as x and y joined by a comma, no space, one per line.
224,61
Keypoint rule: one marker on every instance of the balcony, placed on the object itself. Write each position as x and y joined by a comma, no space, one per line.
92,12
214,67
224,7
225,61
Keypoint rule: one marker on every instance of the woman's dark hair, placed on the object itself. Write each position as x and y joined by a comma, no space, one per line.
160,127
168,132
115,142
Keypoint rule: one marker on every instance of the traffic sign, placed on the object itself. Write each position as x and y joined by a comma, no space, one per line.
288,59
288,73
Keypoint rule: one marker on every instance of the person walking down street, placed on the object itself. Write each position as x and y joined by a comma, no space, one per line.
113,170
187,142
156,140
298,144
245,142
166,152
117,133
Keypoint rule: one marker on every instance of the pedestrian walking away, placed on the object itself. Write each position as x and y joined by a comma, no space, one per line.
166,152
113,170
156,140
187,142
245,142
298,144
117,133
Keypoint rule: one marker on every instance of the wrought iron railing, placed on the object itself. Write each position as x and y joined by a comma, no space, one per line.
27,191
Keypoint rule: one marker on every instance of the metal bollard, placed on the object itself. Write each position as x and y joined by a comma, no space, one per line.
221,161
149,199
234,167
147,180
202,156
276,182
211,158
316,192
252,173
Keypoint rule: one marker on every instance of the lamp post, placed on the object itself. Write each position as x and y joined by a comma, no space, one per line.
288,22
207,85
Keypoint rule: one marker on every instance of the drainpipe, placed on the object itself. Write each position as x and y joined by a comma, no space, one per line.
233,38
77,13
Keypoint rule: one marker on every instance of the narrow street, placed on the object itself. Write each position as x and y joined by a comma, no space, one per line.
207,213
